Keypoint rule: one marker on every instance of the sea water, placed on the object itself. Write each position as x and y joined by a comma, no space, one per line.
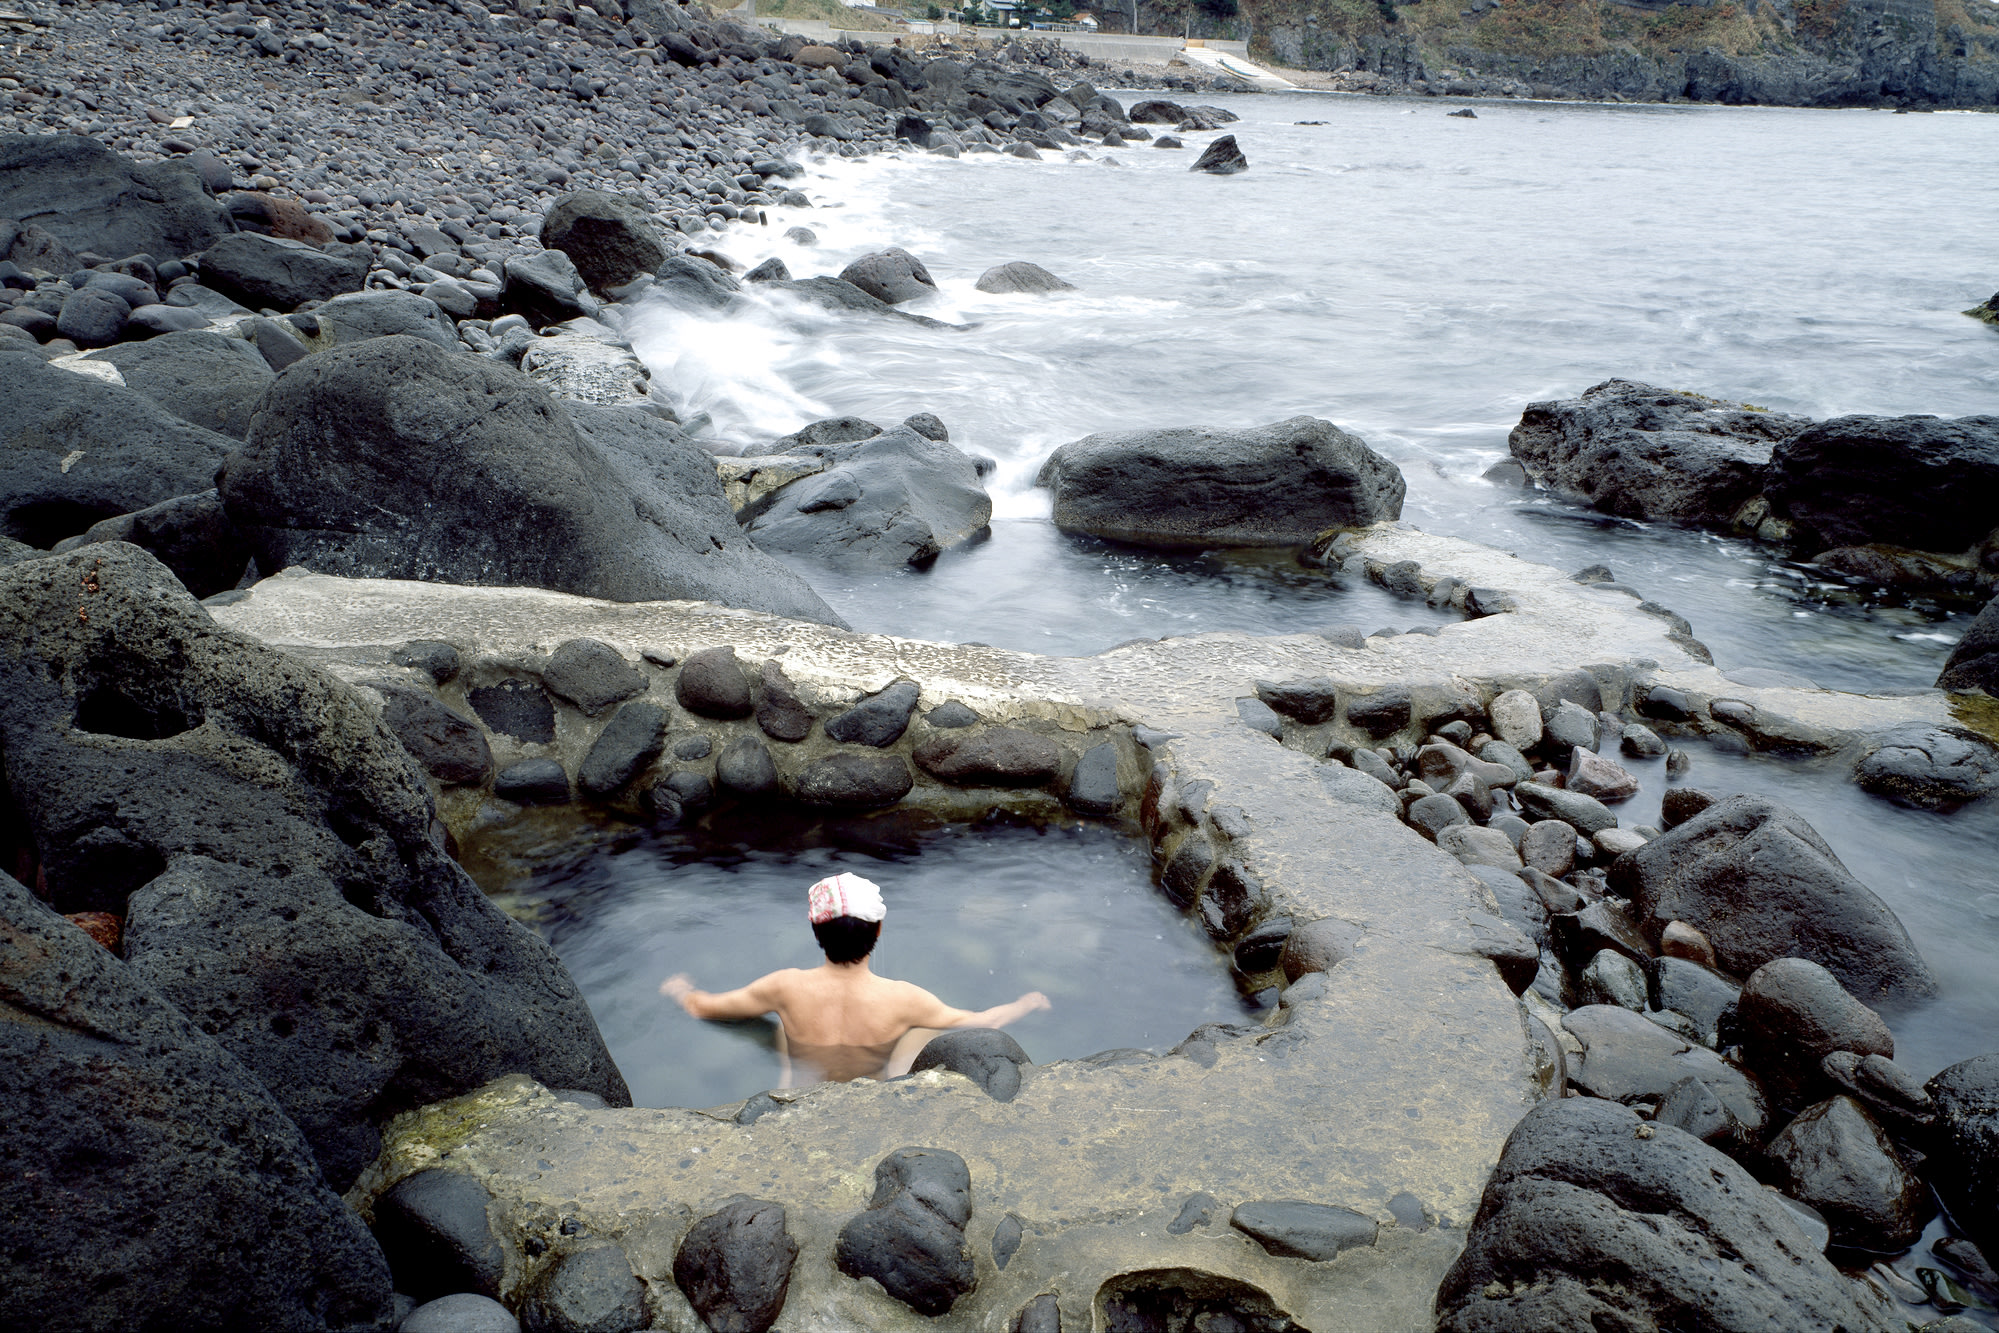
1418,279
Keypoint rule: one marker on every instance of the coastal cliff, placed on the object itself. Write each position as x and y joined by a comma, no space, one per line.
1900,53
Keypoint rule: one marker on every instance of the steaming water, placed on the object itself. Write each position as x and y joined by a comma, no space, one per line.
977,916
1418,279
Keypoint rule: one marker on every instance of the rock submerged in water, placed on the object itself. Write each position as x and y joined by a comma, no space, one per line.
893,499
1974,663
1021,276
1221,158
1276,485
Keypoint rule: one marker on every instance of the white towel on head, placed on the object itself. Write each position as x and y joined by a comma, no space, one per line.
845,895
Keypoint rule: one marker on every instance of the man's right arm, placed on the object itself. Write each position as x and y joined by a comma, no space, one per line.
752,1001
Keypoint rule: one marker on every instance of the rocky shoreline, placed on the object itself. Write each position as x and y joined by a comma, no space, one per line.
342,527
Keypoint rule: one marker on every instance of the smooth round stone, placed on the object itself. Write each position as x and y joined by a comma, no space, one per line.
462,1312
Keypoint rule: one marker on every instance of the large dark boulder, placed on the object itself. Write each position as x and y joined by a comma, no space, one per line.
1922,482
1974,663
393,458
1837,1158
1761,883
89,198
609,237
1276,485
434,1227
269,272
1223,157
734,1266
1791,1015
911,1238
274,853
896,499
987,1056
1964,1151
1650,453
206,379
145,1173
77,450
1594,1219
192,535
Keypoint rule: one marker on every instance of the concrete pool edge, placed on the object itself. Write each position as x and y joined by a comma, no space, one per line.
1403,1077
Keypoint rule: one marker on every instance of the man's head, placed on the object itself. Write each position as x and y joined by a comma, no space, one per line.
846,913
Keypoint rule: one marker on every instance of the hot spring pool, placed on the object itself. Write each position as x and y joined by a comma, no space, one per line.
978,914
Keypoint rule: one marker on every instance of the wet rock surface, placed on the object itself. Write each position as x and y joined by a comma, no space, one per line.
193,736
342,472
1762,884
1276,485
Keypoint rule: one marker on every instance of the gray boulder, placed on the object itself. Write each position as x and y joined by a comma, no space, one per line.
1021,276
609,237
236,804
693,284
1920,482
1649,453
78,450
270,272
893,275
1276,485
192,535
545,288
1974,663
1838,1159
393,458
206,379
1291,1229
895,499
590,1290
1594,1219
839,296
87,197
1965,1149
1761,884
135,1142
355,316
1934,767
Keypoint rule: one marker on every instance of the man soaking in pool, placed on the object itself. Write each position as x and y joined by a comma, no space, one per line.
839,1021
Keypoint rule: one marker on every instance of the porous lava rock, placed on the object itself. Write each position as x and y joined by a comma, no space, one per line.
1643,452
134,1142
275,855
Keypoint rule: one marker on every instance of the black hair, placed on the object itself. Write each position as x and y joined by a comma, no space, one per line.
847,939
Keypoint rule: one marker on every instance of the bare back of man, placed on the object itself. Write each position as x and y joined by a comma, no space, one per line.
841,1019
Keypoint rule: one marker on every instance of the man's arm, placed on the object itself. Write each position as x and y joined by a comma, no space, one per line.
752,1001
927,1011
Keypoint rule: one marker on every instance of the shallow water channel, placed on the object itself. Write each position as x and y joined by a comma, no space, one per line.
977,915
